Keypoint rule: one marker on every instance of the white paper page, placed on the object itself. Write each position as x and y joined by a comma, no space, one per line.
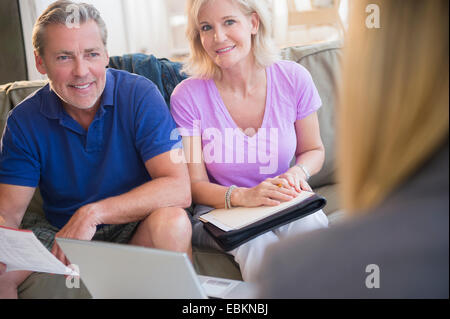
214,221
21,250
236,218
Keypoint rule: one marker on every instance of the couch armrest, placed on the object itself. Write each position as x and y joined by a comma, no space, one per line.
12,94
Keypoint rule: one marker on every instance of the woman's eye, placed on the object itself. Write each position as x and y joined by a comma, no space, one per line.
230,22
206,27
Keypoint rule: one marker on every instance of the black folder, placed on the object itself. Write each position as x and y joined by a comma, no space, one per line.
229,240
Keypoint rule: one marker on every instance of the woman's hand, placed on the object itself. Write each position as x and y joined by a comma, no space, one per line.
271,192
296,179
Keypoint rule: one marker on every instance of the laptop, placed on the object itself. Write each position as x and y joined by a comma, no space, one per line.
118,271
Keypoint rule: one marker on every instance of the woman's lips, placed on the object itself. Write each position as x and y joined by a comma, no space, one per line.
225,50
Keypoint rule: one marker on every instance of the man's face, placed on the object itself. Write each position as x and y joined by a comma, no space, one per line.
74,60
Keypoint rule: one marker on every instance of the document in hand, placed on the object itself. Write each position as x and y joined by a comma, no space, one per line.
21,250
233,227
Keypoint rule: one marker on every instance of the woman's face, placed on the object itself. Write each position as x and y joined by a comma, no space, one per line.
226,33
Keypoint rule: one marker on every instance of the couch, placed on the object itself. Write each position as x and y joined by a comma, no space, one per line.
323,62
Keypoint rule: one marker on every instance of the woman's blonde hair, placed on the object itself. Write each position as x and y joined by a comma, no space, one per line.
393,110
199,64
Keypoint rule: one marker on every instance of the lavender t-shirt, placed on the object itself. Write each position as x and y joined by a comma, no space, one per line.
231,156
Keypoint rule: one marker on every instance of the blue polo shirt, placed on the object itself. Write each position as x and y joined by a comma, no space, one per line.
43,146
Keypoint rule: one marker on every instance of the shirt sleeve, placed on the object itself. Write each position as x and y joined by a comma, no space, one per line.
155,129
183,110
308,97
19,163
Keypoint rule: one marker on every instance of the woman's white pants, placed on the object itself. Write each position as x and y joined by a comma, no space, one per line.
250,255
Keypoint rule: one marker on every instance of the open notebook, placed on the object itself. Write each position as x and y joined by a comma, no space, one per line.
238,217
232,227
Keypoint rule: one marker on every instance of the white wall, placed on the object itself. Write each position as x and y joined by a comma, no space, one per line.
148,26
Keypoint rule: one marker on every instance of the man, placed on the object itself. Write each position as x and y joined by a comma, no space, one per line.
97,143
2,266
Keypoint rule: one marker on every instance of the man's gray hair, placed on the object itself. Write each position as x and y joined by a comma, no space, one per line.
67,13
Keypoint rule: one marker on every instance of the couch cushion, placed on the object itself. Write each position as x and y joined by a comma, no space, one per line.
12,94
210,262
323,62
330,192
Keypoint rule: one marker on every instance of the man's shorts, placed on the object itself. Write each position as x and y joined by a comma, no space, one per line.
46,232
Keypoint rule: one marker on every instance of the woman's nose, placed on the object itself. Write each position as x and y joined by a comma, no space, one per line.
219,35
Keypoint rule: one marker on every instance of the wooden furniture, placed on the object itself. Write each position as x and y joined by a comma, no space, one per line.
315,16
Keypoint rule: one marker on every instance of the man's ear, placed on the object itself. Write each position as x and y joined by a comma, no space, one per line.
107,59
40,65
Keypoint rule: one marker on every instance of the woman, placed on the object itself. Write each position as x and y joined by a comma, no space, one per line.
393,166
243,116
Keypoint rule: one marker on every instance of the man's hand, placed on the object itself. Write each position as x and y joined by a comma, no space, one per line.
82,226
8,290
2,266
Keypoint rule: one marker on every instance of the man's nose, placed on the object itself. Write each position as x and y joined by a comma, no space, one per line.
80,68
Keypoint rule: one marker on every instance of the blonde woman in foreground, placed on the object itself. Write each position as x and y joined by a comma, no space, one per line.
244,114
393,163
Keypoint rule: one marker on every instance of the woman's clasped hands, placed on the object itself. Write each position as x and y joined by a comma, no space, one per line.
271,192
